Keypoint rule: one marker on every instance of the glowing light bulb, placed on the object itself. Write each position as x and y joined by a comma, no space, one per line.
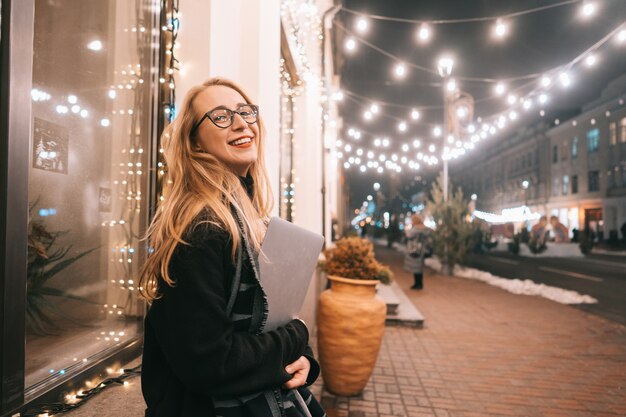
374,108
543,98
437,131
545,81
565,79
424,33
402,126
500,89
621,36
588,9
511,99
416,143
591,60
367,115
415,114
361,25
105,122
351,45
451,85
72,99
95,45
400,70
501,29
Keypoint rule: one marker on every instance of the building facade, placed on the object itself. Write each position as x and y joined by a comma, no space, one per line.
573,169
86,91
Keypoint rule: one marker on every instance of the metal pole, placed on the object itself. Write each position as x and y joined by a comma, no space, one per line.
445,137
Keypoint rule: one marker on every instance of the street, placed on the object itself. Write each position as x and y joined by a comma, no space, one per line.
600,276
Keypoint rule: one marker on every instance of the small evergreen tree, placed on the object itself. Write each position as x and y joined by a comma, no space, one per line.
453,234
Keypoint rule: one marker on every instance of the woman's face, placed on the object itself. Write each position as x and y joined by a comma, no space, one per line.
235,146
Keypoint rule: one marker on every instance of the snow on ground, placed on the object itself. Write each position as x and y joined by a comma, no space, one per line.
518,286
515,286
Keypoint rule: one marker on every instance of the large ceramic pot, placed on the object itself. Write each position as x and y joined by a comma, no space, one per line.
350,326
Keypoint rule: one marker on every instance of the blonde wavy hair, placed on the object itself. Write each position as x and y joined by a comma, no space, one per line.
196,182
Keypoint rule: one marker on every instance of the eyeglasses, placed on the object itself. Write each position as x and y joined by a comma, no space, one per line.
223,117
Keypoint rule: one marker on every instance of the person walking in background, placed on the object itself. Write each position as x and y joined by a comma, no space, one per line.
539,231
206,352
417,243
560,231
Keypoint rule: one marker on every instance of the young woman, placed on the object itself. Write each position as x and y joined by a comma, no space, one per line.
205,352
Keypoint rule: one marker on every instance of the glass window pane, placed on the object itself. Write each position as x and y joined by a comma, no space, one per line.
88,182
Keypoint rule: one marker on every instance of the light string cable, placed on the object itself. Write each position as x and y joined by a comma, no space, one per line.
550,71
82,396
465,20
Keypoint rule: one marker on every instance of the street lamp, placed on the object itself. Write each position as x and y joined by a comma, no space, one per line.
525,185
444,67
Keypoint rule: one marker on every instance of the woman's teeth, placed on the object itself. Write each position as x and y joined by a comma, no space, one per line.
241,141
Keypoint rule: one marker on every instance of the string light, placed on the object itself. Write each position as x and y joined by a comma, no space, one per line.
350,45
415,115
500,89
361,25
424,33
591,60
400,70
588,9
501,29
402,126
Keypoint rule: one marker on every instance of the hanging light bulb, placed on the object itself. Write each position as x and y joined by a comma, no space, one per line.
621,36
500,89
501,29
437,131
361,25
545,81
424,33
588,9
565,79
511,99
374,108
415,114
350,45
591,60
367,115
400,70
402,126
451,85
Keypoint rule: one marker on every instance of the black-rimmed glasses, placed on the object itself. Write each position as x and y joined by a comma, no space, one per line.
223,117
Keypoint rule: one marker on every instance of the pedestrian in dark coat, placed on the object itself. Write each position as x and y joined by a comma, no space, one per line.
417,245
205,349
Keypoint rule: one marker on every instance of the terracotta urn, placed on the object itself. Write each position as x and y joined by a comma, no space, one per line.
351,323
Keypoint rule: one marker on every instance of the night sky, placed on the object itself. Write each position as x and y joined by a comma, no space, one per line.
535,43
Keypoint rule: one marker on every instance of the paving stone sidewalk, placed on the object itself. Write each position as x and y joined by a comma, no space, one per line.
484,352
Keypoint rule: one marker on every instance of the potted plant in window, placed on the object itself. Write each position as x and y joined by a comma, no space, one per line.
351,318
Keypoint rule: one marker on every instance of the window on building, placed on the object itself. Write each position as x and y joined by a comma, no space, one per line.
555,154
611,177
564,151
622,125
594,181
555,186
574,184
593,140
574,147
565,184
613,133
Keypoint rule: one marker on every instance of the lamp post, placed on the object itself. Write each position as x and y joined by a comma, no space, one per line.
444,67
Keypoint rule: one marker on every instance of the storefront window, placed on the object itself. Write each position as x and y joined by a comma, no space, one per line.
88,181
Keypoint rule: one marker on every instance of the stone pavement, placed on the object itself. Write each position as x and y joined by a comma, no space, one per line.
483,352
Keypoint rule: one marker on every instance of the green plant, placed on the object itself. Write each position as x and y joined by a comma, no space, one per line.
44,263
452,236
353,257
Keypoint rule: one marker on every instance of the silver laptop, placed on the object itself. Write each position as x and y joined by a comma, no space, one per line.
289,254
